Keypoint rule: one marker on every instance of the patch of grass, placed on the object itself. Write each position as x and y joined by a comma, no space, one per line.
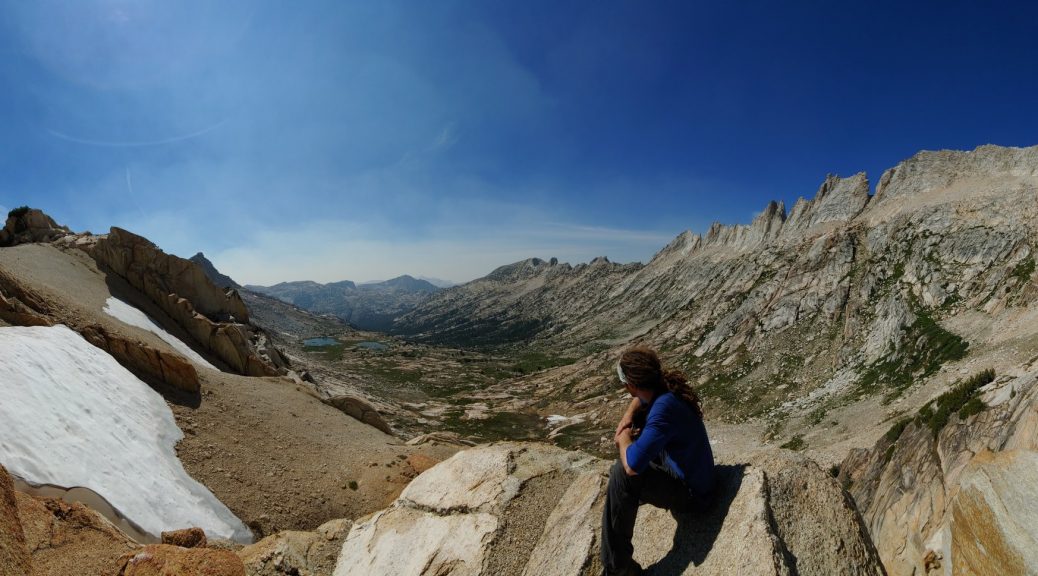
499,426
816,415
332,353
1023,270
531,362
796,443
927,347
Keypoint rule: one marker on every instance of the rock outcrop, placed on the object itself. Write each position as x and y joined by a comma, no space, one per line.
359,409
217,320
535,509
221,280
166,560
185,538
295,553
25,225
147,362
14,555
960,495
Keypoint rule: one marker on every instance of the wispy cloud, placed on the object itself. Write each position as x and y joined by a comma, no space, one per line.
136,143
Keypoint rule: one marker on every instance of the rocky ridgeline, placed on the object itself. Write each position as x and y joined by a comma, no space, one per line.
843,297
217,319
371,306
955,489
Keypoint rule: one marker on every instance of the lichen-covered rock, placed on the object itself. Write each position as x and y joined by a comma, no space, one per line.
536,509
994,515
165,560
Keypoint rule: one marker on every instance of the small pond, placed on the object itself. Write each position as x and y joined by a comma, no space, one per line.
370,345
325,341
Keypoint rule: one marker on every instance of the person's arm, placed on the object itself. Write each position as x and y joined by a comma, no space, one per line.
636,454
627,421
623,441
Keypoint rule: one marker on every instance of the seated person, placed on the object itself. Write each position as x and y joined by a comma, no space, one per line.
667,462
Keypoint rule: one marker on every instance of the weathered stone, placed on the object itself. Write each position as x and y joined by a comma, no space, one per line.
359,409
734,538
294,553
961,498
165,560
994,515
542,507
31,226
185,538
69,538
168,367
821,530
218,320
14,555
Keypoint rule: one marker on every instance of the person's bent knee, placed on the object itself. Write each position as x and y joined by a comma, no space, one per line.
618,475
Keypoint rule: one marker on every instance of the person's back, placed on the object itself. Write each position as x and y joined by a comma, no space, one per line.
674,426
668,463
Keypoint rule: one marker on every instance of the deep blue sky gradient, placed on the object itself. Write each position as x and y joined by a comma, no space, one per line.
334,140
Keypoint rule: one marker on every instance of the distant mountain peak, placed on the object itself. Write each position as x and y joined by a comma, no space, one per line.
221,280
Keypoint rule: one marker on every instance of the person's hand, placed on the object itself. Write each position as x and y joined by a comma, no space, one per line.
623,437
626,422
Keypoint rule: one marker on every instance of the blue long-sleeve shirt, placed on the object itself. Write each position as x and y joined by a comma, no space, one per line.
674,431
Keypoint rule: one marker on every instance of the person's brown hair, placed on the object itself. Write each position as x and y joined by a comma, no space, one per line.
643,369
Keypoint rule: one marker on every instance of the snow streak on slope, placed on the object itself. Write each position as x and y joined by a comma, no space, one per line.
134,317
73,416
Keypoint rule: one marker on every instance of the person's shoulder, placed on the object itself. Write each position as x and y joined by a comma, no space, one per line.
667,402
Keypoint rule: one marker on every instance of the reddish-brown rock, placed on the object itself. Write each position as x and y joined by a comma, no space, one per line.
14,556
30,226
217,319
166,560
167,367
68,538
186,538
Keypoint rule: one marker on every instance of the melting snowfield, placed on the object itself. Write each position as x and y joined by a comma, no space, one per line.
128,314
73,416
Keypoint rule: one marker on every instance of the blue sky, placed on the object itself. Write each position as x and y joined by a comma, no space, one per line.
341,140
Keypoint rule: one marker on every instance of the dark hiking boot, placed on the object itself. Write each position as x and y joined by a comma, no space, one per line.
632,569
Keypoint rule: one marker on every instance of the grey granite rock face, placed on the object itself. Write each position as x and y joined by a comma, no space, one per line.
536,509
963,496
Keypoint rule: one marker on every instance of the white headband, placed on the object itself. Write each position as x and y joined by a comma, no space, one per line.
620,373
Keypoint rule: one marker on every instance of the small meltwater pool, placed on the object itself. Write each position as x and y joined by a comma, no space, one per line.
370,345
324,341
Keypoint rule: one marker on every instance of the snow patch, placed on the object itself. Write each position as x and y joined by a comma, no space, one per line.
73,416
127,314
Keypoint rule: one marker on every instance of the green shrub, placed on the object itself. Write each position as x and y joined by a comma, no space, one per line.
961,399
895,431
795,443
